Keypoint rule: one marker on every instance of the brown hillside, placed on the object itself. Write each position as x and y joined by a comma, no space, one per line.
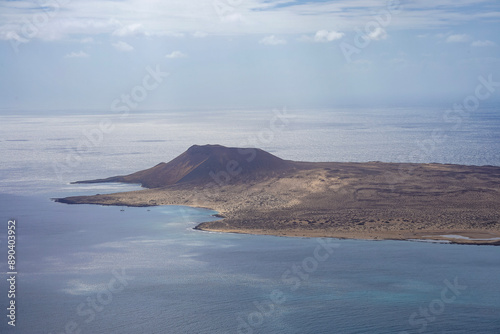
207,163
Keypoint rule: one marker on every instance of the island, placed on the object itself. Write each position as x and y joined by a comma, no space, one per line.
259,193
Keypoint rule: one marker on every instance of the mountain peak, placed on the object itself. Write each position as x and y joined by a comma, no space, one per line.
202,164
205,148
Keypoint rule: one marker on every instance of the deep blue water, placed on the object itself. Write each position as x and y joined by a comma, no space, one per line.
94,269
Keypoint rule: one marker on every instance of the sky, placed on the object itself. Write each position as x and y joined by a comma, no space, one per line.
175,54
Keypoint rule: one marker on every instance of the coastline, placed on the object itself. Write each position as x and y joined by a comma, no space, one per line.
452,203
478,238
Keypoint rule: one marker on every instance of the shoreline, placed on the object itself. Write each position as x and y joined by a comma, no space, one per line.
353,237
365,201
476,237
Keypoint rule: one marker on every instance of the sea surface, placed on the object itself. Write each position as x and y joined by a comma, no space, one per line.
96,269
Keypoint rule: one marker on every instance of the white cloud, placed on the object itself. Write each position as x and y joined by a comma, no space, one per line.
272,40
378,34
324,36
484,43
165,34
199,34
442,35
123,47
263,17
79,54
233,17
460,38
132,29
176,54
12,36
87,40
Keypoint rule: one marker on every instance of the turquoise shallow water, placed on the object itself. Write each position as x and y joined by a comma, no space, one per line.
94,269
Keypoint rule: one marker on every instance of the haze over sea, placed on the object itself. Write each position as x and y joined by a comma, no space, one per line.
94,269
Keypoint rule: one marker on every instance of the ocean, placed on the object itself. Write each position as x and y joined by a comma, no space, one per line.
97,269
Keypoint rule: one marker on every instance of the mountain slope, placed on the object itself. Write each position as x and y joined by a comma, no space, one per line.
207,163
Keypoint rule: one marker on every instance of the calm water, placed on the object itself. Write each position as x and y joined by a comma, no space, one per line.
93,269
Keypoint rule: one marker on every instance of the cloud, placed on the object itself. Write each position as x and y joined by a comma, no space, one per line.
12,36
377,34
233,17
79,54
176,54
123,47
461,38
442,35
132,29
87,40
272,40
263,17
199,34
484,43
165,34
324,36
